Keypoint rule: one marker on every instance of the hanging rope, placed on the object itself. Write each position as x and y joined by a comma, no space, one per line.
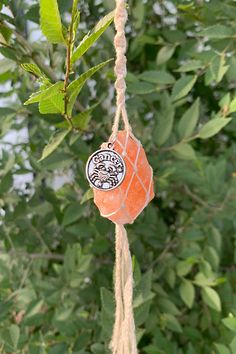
124,338
122,181
120,67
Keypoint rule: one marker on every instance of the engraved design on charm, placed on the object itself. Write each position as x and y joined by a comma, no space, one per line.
105,169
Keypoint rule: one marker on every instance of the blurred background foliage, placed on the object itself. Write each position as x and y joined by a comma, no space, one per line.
56,252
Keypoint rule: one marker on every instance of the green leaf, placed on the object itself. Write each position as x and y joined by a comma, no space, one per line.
142,291
191,65
35,70
211,255
92,36
55,140
97,348
221,348
53,102
183,268
211,298
140,88
76,86
233,344
217,32
5,33
6,65
212,127
34,308
84,262
37,96
232,67
157,77
138,12
184,151
170,277
168,306
183,86
50,100
6,183
189,120
232,106
8,165
63,314
225,101
80,120
32,69
164,54
12,336
50,21
107,313
75,19
87,195
218,67
6,123
172,323
153,349
202,280
230,323
72,254
57,160
72,213
141,313
164,126
187,292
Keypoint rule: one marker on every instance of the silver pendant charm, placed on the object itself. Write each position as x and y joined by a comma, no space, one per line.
105,169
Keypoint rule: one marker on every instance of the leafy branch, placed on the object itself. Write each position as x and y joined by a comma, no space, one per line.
70,45
186,129
59,97
34,56
184,141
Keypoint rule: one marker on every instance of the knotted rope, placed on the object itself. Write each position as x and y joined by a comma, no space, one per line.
120,67
124,338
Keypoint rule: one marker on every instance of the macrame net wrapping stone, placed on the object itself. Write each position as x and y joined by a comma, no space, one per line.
123,204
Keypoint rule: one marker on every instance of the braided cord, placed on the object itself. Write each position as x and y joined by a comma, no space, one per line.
120,67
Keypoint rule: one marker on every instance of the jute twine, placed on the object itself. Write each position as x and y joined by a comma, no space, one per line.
124,337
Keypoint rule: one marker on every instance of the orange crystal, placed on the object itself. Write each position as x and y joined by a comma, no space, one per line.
123,204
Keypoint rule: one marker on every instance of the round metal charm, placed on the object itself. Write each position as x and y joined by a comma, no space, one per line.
105,169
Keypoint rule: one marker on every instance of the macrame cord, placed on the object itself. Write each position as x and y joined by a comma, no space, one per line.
124,337
122,182
120,45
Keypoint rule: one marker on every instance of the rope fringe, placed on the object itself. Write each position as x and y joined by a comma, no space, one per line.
124,338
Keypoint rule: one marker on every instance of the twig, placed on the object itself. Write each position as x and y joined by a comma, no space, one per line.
169,148
25,275
205,204
70,43
40,238
5,45
8,237
172,244
48,256
34,256
35,57
46,69
38,60
195,197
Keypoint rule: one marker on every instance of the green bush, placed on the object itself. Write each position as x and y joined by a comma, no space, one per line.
56,252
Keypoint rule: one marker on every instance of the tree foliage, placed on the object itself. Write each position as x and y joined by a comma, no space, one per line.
55,250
